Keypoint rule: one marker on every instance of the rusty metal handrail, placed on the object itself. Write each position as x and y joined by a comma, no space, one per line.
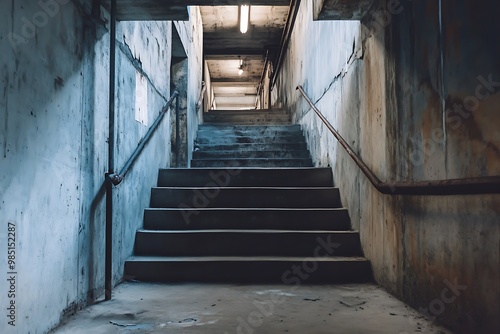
465,186
116,179
260,87
201,98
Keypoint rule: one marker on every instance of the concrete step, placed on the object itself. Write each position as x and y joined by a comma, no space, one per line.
246,243
228,140
274,146
235,197
249,269
253,139
335,219
254,162
210,128
214,155
262,122
259,131
247,119
246,111
245,177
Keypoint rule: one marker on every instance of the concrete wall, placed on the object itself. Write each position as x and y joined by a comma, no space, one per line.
398,88
54,74
209,96
192,38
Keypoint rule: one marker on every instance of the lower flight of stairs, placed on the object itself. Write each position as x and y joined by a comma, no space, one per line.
276,225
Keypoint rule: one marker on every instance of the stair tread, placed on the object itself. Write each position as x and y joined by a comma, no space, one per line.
249,159
248,209
242,258
247,168
249,188
255,144
247,231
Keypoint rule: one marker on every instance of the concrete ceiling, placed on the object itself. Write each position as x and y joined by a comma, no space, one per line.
341,9
223,42
175,10
225,45
231,90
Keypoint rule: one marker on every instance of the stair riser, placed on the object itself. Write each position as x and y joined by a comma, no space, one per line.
275,146
248,121
251,154
246,112
246,177
247,244
252,163
245,198
326,220
243,119
279,272
247,117
206,130
227,140
261,122
258,131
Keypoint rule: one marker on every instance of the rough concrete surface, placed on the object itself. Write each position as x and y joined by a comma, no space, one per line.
194,308
54,75
414,90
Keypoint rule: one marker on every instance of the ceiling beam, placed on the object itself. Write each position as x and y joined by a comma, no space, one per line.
232,42
341,9
148,10
244,81
233,56
174,10
240,84
220,53
213,2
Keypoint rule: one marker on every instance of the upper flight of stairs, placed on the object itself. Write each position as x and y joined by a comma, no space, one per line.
250,145
233,221
243,138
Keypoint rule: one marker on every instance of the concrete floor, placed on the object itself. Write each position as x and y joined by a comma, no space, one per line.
247,309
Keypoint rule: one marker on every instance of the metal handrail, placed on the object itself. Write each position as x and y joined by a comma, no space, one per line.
285,39
116,179
465,186
202,96
261,81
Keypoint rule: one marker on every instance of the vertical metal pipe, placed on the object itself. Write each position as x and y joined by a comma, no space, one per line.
285,39
177,130
108,275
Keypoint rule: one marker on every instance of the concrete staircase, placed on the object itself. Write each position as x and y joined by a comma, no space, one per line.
233,221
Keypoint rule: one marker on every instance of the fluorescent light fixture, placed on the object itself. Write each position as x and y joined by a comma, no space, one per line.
244,18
